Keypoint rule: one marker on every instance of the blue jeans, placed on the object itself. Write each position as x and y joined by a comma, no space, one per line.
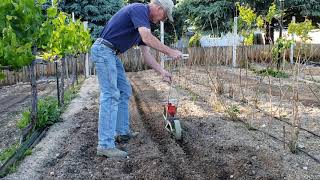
115,92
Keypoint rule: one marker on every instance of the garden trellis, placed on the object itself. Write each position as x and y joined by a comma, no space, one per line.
27,33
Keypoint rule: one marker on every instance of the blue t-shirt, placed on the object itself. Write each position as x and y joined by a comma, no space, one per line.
122,28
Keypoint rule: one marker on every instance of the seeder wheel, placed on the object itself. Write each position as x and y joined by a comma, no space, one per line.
177,130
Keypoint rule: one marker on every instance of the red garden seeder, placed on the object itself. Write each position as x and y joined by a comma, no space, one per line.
170,110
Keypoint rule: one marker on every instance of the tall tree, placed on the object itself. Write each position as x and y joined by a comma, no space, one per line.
207,15
96,12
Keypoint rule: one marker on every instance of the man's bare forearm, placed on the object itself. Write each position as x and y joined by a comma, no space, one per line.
153,42
150,60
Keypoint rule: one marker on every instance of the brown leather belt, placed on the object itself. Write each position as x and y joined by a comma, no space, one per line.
108,44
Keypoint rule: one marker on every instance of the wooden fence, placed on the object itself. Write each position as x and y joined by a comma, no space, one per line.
133,60
42,71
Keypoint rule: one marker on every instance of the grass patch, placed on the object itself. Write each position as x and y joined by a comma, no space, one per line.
48,110
7,153
48,113
71,94
233,112
271,72
25,120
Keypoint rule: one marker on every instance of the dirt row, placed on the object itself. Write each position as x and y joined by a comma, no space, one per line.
213,147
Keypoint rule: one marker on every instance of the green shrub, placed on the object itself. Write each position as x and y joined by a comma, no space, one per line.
71,94
25,120
271,72
48,112
195,40
8,152
233,112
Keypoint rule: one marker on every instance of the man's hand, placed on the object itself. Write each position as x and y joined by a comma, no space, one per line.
175,54
166,76
150,40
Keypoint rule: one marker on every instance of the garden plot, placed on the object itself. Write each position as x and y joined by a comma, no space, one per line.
13,101
214,146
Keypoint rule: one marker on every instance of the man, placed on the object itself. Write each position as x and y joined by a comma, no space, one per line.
128,27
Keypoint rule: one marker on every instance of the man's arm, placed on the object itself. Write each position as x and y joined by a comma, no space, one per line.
151,61
154,42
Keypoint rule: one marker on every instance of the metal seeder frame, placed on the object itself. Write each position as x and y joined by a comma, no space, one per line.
172,122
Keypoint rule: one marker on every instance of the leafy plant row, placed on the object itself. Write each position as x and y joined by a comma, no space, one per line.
27,31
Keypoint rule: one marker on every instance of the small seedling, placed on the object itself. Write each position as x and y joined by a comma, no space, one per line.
233,113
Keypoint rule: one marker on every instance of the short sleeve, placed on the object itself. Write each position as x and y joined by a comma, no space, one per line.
139,16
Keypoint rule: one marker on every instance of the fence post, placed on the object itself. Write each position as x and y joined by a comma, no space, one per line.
292,46
235,41
67,72
76,63
62,80
34,94
57,79
85,24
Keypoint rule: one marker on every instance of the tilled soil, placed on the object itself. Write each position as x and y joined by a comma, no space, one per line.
13,101
213,147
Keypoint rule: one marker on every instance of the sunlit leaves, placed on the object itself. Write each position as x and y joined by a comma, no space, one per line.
66,38
248,23
301,30
271,13
19,31
281,45
25,28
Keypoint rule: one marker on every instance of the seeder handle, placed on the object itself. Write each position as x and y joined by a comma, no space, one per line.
167,58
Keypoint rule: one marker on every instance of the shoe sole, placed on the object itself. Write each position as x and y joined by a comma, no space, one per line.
102,154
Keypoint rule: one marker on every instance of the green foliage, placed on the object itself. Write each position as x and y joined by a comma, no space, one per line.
272,72
19,31
25,120
97,12
28,152
62,36
7,153
247,15
271,13
2,76
304,7
301,30
233,112
195,40
280,46
48,112
207,15
249,21
71,94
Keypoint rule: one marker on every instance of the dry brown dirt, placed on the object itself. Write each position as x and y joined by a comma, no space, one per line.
213,146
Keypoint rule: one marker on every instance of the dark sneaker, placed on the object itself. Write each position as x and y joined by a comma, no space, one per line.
111,152
126,138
